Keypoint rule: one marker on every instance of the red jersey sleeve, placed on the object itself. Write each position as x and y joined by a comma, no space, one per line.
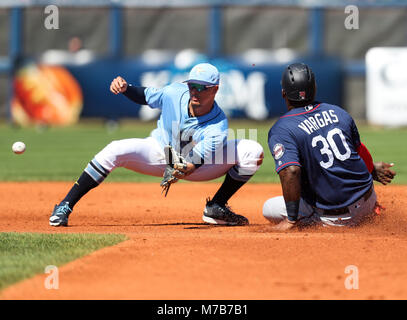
366,156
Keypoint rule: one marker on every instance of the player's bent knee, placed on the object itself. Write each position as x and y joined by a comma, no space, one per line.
250,155
109,148
107,157
273,209
114,147
249,148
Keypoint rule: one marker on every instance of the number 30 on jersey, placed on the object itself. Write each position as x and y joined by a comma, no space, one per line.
330,148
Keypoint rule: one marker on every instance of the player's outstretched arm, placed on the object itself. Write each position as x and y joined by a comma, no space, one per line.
177,168
382,172
290,178
134,93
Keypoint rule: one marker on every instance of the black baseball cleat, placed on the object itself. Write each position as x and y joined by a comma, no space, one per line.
216,214
59,216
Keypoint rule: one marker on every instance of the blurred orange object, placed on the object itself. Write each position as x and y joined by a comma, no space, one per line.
45,94
378,208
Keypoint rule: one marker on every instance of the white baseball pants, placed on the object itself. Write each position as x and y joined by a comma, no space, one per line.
241,158
274,210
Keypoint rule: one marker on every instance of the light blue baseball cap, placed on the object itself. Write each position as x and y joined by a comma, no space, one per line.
204,73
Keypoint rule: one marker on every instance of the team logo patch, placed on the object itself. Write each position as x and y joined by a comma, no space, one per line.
302,95
199,70
278,151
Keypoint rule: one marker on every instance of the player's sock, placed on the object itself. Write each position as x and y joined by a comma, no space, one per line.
79,189
227,190
93,175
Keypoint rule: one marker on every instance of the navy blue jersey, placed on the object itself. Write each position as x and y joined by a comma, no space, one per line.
323,140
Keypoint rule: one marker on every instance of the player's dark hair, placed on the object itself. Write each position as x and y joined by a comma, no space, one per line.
298,83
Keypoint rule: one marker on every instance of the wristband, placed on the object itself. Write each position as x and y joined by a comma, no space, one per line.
292,210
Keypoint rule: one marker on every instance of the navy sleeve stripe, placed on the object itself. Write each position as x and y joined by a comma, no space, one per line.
293,163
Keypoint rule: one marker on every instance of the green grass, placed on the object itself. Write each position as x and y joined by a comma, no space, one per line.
22,255
61,154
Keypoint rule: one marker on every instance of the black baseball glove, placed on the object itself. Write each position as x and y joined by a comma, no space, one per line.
172,172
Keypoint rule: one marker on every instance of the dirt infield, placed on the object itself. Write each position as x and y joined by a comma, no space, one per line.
171,254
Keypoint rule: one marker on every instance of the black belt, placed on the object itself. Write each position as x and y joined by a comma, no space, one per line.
336,212
345,210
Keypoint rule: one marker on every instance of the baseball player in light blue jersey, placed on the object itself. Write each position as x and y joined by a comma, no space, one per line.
192,123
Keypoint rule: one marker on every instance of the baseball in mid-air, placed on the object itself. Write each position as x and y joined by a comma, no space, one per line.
18,147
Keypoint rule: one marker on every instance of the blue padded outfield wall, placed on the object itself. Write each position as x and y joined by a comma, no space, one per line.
246,91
